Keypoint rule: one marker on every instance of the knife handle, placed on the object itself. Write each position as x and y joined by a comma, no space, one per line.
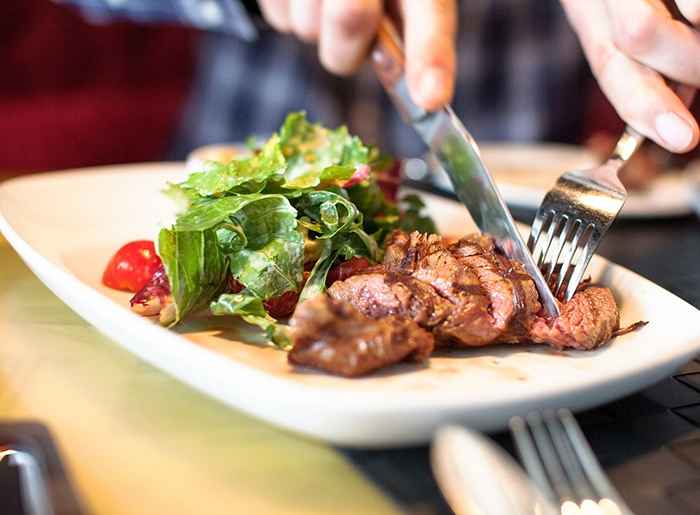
389,61
388,55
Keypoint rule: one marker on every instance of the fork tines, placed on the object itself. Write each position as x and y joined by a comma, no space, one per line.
574,216
561,245
562,465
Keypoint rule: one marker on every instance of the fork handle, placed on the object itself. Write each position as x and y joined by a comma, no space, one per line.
628,144
631,139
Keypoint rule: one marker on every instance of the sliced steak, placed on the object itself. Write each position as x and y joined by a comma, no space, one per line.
404,251
427,258
512,294
470,324
467,322
468,293
589,319
491,295
377,295
335,337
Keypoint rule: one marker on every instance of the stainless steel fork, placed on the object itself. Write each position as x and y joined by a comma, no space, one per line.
576,214
562,465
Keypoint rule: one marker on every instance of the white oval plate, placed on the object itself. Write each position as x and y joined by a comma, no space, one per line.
66,226
526,172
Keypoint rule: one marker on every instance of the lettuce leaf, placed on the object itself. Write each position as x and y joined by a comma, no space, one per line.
252,310
345,246
259,236
254,237
272,260
195,267
370,200
332,212
210,213
251,173
316,154
337,225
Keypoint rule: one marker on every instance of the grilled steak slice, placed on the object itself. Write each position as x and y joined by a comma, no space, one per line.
377,295
404,251
512,294
333,336
589,319
470,294
427,258
492,295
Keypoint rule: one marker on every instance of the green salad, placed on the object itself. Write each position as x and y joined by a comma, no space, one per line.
304,200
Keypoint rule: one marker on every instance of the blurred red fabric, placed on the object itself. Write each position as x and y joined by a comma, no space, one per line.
74,94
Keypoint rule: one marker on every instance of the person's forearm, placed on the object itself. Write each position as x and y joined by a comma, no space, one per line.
219,15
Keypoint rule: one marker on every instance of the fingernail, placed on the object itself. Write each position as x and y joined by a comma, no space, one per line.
432,84
674,130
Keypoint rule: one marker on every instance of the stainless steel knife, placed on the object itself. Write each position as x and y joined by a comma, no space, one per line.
476,476
458,153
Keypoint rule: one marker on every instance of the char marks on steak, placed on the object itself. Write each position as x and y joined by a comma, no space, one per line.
465,292
469,294
333,336
511,293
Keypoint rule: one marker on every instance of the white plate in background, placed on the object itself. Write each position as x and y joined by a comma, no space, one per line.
526,172
67,225
222,152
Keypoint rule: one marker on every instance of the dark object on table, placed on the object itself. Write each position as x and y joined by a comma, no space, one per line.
334,336
467,293
27,447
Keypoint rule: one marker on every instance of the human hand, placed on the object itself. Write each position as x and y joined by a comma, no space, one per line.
631,46
345,30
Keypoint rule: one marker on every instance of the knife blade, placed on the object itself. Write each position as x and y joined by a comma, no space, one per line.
457,152
476,476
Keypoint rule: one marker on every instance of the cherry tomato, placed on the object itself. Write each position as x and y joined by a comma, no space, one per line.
132,266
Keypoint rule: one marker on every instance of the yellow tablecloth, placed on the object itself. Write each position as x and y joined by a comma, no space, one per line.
137,441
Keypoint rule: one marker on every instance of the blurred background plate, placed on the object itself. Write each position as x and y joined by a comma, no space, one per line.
525,172
222,152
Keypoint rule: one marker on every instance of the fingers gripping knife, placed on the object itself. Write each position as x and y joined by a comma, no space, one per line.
459,155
